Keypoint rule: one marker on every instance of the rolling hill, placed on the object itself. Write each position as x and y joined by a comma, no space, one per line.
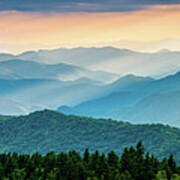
45,131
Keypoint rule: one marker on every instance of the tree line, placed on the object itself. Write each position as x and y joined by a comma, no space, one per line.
133,164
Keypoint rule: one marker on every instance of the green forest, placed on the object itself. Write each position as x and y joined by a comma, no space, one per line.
47,145
45,131
133,164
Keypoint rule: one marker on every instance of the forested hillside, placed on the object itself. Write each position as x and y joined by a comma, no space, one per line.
134,164
46,131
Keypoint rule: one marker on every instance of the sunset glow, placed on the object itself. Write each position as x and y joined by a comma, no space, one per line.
34,30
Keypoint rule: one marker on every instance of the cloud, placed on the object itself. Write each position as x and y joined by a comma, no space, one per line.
21,31
66,6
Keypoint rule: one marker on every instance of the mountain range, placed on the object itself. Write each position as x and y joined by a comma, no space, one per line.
27,86
67,80
20,69
143,101
43,93
109,59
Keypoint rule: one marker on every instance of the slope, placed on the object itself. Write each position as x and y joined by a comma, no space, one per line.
111,59
136,99
28,69
46,131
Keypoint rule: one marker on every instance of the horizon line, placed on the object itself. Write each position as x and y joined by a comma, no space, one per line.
86,47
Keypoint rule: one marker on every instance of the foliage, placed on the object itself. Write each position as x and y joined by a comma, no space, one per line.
46,131
134,164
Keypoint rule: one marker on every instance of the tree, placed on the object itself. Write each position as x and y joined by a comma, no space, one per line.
86,156
175,177
172,163
161,175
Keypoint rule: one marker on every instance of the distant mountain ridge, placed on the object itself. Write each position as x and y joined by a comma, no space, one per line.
21,69
28,84
108,59
45,93
51,93
144,101
5,56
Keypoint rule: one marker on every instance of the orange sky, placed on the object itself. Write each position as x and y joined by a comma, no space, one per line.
23,31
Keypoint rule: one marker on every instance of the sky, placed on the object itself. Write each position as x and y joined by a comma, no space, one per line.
142,25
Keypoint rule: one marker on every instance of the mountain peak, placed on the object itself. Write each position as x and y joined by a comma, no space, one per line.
132,78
